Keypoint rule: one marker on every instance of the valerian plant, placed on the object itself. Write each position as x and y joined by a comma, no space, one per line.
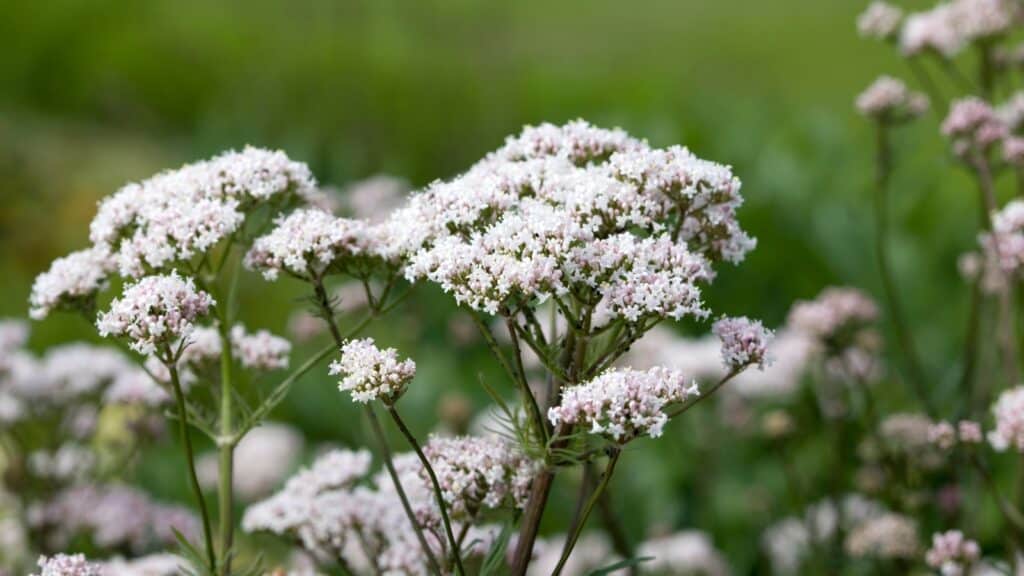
564,247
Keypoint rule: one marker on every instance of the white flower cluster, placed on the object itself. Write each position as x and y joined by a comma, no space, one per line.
332,516
68,463
374,198
880,20
687,553
623,404
155,312
164,564
259,350
68,565
951,553
576,209
371,373
1009,415
477,472
789,542
262,460
307,242
70,377
950,26
179,214
835,310
945,436
744,342
114,517
889,99
887,536
71,282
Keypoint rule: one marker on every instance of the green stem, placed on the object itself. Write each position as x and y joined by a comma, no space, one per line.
883,170
613,459
190,460
226,446
686,406
385,453
528,397
438,494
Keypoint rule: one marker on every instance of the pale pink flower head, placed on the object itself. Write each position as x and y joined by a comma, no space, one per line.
71,283
1013,150
889,99
888,536
259,350
943,435
480,472
1009,415
972,125
744,342
623,404
880,20
371,373
155,312
951,553
969,432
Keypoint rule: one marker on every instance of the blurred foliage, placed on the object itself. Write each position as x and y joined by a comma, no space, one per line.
97,93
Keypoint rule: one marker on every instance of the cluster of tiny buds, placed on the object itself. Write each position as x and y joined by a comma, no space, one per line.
744,342
154,312
371,373
952,553
889,100
945,435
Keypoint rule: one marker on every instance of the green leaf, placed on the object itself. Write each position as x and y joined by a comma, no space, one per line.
495,559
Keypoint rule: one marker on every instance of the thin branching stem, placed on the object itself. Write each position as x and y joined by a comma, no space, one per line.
613,459
528,397
327,312
389,464
186,441
883,171
438,493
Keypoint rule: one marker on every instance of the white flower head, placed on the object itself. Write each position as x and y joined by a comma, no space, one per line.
309,241
371,373
623,404
154,312
180,214
71,282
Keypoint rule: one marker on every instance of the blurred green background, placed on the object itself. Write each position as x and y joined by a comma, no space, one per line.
94,94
